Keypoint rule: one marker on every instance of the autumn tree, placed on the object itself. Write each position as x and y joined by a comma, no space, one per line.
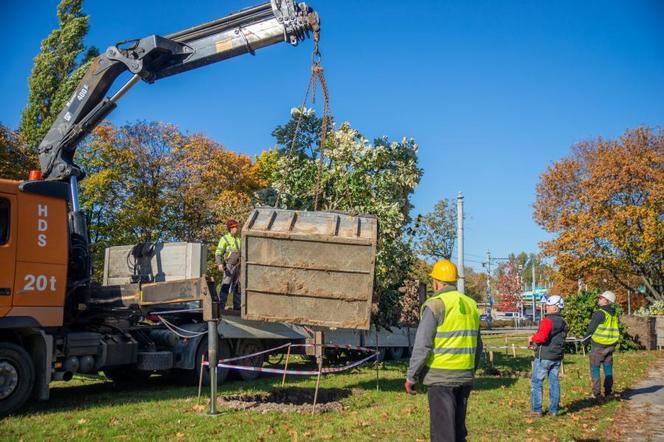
16,159
360,176
151,182
524,264
435,232
508,286
603,203
475,284
58,68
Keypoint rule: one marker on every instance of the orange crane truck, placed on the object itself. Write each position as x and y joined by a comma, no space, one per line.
49,329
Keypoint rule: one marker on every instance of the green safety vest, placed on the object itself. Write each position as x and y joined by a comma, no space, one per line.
227,245
456,338
607,333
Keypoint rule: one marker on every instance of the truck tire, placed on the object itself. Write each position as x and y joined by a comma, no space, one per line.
247,347
395,353
191,377
17,375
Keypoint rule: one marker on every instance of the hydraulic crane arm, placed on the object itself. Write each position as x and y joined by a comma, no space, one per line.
155,57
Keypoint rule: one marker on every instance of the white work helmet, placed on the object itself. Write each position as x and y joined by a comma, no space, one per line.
555,300
609,296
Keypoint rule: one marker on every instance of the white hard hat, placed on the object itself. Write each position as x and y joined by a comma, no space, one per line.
609,296
555,300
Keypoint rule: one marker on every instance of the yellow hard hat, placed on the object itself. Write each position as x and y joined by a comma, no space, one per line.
444,270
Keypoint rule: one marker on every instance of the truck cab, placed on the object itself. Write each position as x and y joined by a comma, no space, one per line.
33,252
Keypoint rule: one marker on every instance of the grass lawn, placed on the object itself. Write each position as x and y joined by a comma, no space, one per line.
95,409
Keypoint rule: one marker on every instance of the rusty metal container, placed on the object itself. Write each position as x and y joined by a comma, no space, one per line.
311,268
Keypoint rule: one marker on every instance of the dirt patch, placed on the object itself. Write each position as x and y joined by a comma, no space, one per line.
287,400
507,373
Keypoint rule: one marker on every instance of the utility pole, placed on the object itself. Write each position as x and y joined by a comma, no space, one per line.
461,282
488,284
532,265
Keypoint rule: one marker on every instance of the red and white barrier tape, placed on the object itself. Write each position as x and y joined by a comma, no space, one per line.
224,363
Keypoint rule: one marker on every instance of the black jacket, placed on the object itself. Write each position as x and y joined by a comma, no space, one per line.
554,348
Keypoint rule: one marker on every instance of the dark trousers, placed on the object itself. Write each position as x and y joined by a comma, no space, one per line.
237,300
602,357
447,412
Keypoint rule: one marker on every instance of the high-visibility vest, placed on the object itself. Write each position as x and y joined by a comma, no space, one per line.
456,338
607,333
227,244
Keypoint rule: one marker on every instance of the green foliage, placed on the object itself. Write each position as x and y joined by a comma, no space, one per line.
435,232
365,177
305,143
57,70
578,310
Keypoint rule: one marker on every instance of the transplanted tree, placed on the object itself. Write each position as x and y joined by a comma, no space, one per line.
604,204
300,136
435,232
57,70
366,177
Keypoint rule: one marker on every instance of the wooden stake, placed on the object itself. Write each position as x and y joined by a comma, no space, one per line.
283,379
562,368
513,350
200,381
505,344
320,369
491,357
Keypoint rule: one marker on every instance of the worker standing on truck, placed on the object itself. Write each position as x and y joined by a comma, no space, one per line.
446,354
604,334
227,258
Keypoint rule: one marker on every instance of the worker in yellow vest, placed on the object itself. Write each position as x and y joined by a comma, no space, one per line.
446,354
227,258
604,334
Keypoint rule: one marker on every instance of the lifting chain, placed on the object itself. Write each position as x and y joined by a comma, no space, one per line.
317,76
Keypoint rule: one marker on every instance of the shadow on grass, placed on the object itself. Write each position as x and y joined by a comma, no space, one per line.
629,394
481,383
103,393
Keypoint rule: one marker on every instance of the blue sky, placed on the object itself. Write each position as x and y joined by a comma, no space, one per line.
492,91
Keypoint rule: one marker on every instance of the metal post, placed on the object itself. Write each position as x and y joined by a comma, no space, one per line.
532,266
461,282
213,343
488,289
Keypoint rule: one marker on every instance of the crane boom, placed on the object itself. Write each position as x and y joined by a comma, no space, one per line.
155,57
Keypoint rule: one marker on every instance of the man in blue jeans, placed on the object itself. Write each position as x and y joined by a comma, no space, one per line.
549,344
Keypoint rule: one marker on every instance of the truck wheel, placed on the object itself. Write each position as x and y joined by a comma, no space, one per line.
395,353
17,376
247,347
191,377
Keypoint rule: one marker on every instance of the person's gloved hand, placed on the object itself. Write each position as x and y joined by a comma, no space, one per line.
410,387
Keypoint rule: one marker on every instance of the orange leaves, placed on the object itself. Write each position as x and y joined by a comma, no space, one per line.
149,181
604,203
